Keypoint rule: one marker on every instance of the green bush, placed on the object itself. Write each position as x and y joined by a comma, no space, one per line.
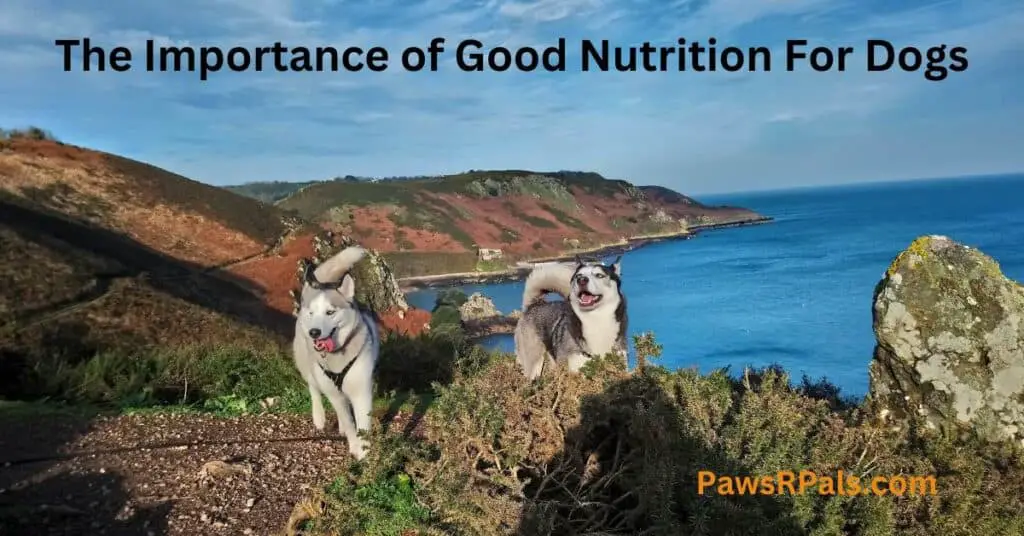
445,319
383,507
30,133
419,263
415,364
220,378
451,297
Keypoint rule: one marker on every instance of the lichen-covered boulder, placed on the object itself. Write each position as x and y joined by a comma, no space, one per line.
376,286
950,330
478,307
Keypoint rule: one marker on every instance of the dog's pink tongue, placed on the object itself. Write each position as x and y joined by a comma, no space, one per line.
587,299
324,345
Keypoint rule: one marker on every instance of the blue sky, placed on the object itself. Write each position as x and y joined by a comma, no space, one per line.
695,132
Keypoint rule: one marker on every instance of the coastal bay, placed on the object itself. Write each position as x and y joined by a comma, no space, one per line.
796,292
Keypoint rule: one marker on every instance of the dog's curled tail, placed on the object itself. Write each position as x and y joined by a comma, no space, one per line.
554,277
335,268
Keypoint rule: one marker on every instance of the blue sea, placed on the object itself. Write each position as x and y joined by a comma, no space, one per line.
797,291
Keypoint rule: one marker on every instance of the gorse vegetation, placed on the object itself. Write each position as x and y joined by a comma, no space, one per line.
30,133
203,377
606,451
183,377
612,452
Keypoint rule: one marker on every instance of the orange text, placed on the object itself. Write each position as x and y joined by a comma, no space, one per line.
801,482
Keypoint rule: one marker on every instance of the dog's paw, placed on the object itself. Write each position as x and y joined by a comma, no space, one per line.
319,422
358,449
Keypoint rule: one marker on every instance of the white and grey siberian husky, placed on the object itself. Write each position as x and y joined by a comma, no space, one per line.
336,346
590,321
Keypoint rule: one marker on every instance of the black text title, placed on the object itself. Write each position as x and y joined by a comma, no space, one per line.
933,62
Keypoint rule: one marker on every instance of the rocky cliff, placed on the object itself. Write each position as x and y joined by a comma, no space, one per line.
950,330
376,286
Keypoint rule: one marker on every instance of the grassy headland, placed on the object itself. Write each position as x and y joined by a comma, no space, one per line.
434,226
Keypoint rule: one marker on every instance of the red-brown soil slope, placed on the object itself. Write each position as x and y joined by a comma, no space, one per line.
100,252
165,212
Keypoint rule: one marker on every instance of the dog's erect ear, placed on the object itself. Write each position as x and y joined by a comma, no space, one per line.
308,276
348,287
579,261
617,265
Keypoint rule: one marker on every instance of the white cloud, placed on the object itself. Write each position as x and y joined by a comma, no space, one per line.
727,14
548,10
23,19
652,127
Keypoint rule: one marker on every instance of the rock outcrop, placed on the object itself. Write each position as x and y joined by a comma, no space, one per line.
376,286
480,318
950,330
478,307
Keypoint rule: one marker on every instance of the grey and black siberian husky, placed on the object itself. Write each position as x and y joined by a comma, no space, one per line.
589,322
336,346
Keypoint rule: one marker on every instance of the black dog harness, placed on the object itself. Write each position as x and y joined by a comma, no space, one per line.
337,377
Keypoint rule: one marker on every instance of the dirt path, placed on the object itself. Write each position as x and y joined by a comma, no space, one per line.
101,285
117,475
268,252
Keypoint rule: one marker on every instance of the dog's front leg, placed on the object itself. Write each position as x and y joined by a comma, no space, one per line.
533,368
343,410
360,393
316,400
362,405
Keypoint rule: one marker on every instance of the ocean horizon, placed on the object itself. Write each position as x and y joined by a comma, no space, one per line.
796,292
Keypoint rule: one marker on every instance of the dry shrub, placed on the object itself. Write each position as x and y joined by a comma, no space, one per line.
496,434
611,452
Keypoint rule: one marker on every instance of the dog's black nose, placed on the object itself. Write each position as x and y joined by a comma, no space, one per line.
582,279
315,333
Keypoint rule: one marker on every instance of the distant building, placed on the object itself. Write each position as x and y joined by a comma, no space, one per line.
486,254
